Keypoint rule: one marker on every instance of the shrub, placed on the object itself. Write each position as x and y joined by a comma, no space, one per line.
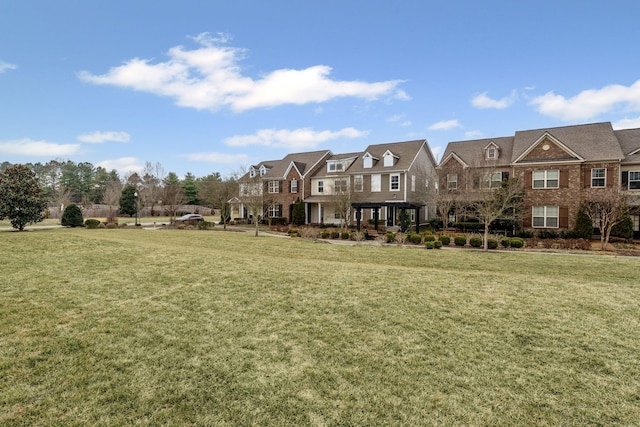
390,237
475,242
112,225
505,242
345,235
528,234
623,229
437,244
516,242
435,223
72,216
547,234
446,240
429,238
414,238
92,223
584,224
430,244
460,240
293,232
205,225
102,225
468,226
492,243
335,234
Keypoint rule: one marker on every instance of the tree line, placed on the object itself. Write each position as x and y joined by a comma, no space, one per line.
60,183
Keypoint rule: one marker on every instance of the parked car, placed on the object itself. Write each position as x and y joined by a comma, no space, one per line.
190,217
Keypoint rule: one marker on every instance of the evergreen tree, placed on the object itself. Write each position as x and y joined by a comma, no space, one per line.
128,202
584,225
21,198
298,213
72,216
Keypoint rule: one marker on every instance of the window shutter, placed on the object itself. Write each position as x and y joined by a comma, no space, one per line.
476,181
609,177
563,220
587,178
625,179
505,176
564,179
528,179
279,186
526,220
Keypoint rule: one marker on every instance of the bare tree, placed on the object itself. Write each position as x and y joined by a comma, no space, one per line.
343,196
606,211
216,192
112,195
503,201
151,189
173,196
252,196
445,201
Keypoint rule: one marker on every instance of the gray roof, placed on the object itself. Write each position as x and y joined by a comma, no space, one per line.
473,152
592,142
303,161
630,143
405,151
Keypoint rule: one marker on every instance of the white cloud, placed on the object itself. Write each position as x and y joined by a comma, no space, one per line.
406,123
445,125
473,134
395,118
209,77
28,147
124,165
100,137
589,103
627,124
4,66
217,158
296,139
483,101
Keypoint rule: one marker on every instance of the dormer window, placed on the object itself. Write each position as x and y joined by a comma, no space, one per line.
368,161
389,159
492,151
263,170
252,173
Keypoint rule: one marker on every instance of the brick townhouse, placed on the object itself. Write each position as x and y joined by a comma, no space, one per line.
559,168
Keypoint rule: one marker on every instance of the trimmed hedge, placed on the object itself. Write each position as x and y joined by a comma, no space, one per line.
475,242
460,240
445,240
92,223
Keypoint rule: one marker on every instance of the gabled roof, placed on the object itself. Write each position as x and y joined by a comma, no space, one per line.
630,144
303,162
267,164
405,152
472,152
590,142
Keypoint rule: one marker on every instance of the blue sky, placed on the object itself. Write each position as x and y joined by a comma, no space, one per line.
214,86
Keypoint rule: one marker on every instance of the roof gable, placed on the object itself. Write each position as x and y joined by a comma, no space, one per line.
547,148
453,156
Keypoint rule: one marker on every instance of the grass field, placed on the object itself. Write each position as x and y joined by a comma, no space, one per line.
139,327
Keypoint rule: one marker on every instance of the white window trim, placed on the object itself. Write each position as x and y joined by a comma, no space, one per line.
629,180
452,178
603,178
321,186
274,187
378,181
358,183
545,180
391,176
545,217
294,185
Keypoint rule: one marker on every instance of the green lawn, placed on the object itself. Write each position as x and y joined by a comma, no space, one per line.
141,327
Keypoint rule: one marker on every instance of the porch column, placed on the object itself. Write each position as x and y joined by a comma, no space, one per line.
358,216
417,220
375,218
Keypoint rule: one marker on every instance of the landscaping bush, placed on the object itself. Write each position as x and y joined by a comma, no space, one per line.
445,240
528,234
460,240
72,216
102,225
437,244
475,242
112,225
429,238
293,232
92,223
505,242
325,234
390,237
492,243
547,234
205,225
430,244
468,226
584,224
345,235
414,238
623,229
516,242
435,223
335,234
